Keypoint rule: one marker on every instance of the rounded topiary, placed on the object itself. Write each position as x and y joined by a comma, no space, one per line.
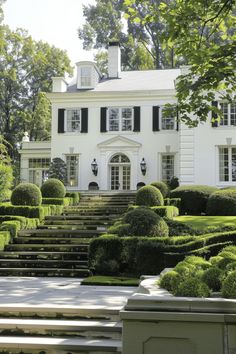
26,194
170,281
197,262
229,286
53,188
222,202
163,188
145,222
213,278
149,196
193,197
193,287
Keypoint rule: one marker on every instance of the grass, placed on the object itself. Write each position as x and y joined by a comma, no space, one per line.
202,223
109,280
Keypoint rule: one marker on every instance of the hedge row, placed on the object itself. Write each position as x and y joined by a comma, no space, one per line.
31,212
13,224
169,211
4,239
58,201
113,255
75,196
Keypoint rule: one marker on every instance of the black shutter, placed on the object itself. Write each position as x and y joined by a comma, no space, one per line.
214,116
84,120
103,120
155,118
136,119
177,119
60,126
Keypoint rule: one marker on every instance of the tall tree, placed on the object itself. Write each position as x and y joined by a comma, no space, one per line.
204,33
140,41
26,69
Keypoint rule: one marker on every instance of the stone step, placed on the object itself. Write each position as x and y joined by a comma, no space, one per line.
75,222
46,247
91,227
79,217
52,311
42,272
43,263
51,240
76,328
44,255
61,343
62,232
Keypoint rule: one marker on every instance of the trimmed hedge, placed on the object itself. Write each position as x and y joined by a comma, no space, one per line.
162,186
58,201
29,211
12,226
222,202
166,211
26,194
149,196
53,188
5,238
193,197
26,223
75,196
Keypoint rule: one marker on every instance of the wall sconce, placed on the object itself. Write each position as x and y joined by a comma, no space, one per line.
143,166
94,167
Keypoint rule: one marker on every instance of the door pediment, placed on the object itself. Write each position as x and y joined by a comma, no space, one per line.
119,142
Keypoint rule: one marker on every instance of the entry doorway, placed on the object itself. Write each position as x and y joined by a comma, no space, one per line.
119,166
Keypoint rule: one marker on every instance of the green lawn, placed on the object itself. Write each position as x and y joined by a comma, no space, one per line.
203,222
109,280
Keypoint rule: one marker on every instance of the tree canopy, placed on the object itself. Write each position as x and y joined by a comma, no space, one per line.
26,69
202,32
141,41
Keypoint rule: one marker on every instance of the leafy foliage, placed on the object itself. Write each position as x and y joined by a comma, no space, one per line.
163,188
149,196
58,170
6,172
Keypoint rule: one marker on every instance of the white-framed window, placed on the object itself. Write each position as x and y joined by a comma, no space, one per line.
168,121
120,119
73,120
86,76
72,164
38,170
167,167
227,164
229,114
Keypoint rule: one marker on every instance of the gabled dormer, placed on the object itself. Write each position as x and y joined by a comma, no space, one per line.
88,75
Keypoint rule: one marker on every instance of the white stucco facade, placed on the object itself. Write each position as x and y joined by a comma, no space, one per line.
118,122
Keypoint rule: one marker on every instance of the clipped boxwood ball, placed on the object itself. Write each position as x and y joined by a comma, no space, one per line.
222,202
170,281
193,287
145,222
53,188
163,188
229,286
26,194
149,196
213,278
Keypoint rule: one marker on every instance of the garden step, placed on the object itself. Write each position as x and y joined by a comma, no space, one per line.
43,263
78,217
81,328
46,247
76,222
61,343
55,255
42,272
55,233
89,227
50,240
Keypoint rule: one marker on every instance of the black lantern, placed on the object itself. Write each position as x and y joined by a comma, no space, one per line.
143,166
94,167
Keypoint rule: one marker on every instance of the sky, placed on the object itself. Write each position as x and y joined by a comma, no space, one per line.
53,21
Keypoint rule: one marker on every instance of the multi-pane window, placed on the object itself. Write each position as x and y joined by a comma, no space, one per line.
85,76
73,120
167,167
227,164
228,113
38,170
167,119
120,119
72,164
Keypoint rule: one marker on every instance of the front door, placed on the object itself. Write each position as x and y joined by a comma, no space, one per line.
120,172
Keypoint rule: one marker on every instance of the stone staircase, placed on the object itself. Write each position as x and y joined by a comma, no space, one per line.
28,329
60,246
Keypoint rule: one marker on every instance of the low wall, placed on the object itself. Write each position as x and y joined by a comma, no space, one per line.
155,322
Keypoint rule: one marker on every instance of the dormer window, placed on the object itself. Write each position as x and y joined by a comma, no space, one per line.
86,76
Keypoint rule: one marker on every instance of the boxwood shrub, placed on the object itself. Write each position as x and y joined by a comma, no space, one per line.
58,201
222,202
166,211
5,238
149,196
163,188
75,196
53,188
193,197
26,194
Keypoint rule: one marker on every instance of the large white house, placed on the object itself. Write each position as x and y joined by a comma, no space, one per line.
112,133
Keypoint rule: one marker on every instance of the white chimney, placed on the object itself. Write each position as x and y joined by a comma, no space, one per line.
114,60
59,84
